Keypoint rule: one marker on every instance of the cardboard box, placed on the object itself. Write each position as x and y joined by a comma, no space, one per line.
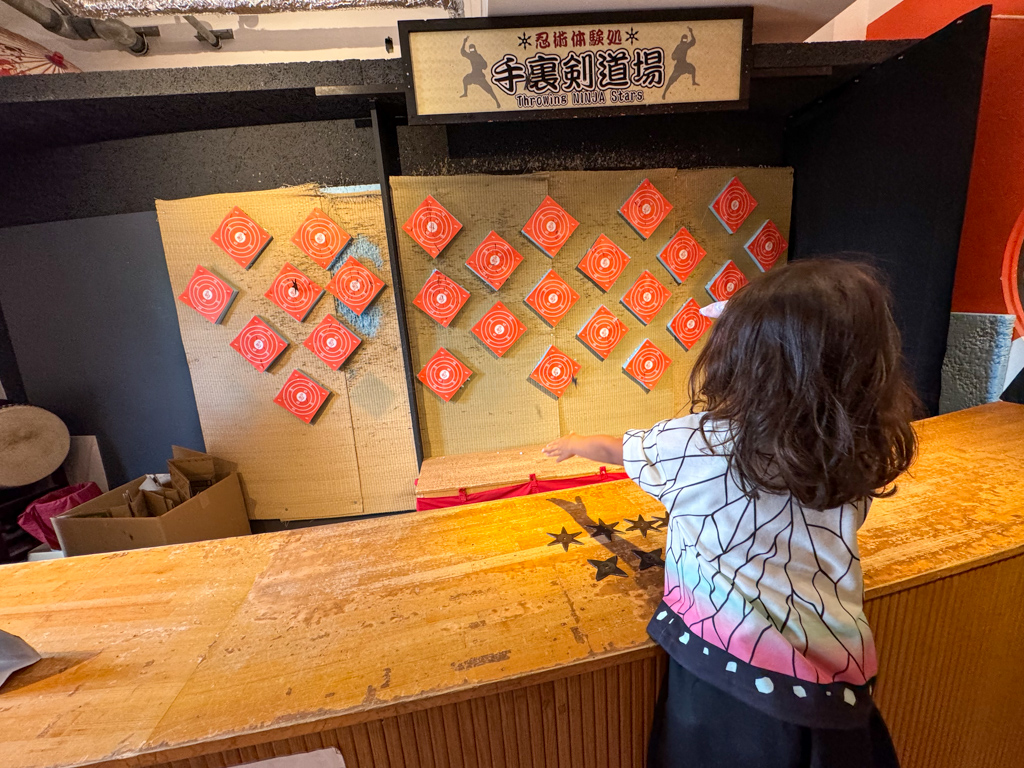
105,525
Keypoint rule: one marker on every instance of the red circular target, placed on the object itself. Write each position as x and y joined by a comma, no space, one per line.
689,324
552,298
208,295
441,298
550,226
302,396
293,292
766,246
602,332
444,374
432,226
332,342
320,238
733,205
647,364
681,255
555,371
646,298
645,209
604,262
494,260
240,237
258,343
499,329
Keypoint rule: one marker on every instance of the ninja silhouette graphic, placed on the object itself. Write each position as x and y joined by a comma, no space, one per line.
682,66
478,75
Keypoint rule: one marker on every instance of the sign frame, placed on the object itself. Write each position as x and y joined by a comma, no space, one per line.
744,13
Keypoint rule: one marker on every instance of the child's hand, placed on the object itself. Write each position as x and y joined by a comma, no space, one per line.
561,449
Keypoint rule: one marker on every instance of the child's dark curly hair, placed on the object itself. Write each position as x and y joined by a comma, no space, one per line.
805,364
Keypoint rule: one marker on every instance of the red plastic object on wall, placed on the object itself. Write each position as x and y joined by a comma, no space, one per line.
241,238
552,298
321,238
259,343
645,209
432,226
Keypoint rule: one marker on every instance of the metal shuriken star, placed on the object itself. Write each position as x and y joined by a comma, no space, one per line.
641,525
524,40
661,522
632,36
565,538
602,529
607,567
649,559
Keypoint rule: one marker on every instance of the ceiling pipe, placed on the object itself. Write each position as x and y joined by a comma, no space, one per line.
76,28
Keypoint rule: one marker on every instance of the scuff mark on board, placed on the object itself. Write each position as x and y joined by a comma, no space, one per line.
479,661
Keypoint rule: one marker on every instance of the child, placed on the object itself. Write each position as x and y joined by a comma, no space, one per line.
804,419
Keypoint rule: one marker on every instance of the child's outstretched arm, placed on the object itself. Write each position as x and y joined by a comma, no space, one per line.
594,447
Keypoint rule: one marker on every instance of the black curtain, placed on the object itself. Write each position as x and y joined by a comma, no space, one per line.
881,172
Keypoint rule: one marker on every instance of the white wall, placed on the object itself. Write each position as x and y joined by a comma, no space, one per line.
852,23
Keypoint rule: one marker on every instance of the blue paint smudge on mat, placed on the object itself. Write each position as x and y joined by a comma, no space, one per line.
366,252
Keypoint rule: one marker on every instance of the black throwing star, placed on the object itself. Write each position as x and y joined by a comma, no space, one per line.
607,567
661,522
524,40
641,525
602,529
565,538
649,559
632,36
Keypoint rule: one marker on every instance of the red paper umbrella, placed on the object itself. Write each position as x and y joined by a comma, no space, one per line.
726,282
208,294
260,344
645,209
555,371
549,227
444,374
320,238
552,298
441,297
602,332
21,56
681,255
646,298
689,324
432,226
499,329
603,263
733,204
293,292
303,396
766,246
355,286
494,260
241,238
332,342
646,365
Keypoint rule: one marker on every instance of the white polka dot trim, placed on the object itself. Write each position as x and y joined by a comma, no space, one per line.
662,615
730,667
705,651
848,697
684,638
799,691
764,685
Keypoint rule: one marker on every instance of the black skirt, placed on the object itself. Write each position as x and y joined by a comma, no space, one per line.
698,726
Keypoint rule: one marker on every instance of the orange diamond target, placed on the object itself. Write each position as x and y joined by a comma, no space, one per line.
441,297
320,238
241,238
549,227
602,332
726,282
681,255
688,324
646,365
646,298
645,209
603,263
499,329
766,246
332,342
355,286
733,205
303,396
444,374
494,260
293,292
208,294
260,344
432,226
552,298
555,371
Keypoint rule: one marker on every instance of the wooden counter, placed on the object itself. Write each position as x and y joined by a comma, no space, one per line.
461,638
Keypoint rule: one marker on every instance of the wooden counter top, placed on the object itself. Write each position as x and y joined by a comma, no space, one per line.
152,652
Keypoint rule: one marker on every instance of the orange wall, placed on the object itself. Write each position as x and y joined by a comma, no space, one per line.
996,193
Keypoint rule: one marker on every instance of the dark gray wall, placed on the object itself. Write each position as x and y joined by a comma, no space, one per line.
91,318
